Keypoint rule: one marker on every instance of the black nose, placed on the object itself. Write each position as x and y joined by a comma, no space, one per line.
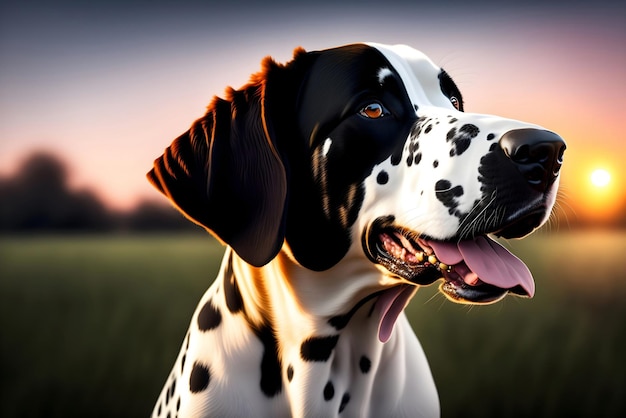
538,155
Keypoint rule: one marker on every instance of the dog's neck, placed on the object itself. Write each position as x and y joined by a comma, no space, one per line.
326,325
299,300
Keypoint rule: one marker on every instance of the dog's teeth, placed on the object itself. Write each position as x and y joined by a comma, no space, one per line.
444,267
432,259
419,256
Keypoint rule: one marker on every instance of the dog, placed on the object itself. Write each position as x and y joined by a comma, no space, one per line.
340,182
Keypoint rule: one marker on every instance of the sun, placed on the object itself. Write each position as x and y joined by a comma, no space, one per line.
600,178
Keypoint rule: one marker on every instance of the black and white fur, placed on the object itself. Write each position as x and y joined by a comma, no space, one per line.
299,173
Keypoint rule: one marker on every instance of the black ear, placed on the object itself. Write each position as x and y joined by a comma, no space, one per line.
226,174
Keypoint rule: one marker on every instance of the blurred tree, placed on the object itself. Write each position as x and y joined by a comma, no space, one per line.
38,199
149,216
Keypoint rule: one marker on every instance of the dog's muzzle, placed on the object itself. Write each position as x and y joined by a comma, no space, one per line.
527,167
477,270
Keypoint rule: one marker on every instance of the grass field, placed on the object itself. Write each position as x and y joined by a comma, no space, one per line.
91,326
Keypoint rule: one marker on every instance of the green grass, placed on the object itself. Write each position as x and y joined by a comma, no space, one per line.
91,326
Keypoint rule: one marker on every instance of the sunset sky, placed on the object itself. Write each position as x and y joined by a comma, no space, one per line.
107,86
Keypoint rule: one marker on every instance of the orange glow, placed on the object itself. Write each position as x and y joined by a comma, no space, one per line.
600,178
595,188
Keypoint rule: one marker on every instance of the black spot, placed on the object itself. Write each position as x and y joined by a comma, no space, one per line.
173,388
344,402
448,195
428,129
271,376
167,397
469,129
396,157
159,410
415,107
318,348
461,140
413,146
329,391
200,378
435,164
415,131
187,343
209,317
490,137
234,301
365,364
382,177
340,321
290,372
182,363
493,147
168,415
178,404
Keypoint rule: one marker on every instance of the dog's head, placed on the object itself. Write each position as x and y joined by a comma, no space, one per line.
366,147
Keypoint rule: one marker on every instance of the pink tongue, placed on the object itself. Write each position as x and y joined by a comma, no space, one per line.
392,302
493,263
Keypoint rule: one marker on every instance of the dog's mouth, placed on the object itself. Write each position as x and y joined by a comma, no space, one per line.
477,271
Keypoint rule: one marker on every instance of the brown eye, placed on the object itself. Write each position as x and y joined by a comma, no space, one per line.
455,102
373,111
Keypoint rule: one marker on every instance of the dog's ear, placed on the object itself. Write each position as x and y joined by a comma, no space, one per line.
226,173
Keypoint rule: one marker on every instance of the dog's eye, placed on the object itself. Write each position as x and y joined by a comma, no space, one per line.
455,102
374,111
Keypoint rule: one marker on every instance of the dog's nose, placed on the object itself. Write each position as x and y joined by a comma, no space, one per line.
537,154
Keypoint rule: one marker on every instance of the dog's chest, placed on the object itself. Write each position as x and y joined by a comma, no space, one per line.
323,372
228,366
224,367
